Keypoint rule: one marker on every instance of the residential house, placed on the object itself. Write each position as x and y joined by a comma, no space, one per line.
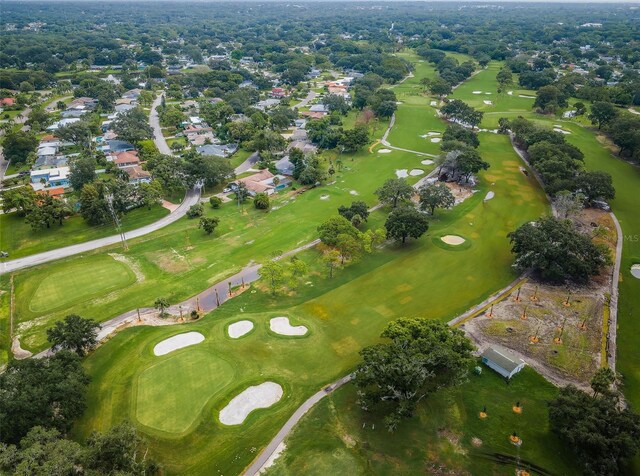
501,360
7,102
305,146
262,182
137,175
56,177
116,146
62,122
267,104
321,108
284,166
278,93
218,150
127,159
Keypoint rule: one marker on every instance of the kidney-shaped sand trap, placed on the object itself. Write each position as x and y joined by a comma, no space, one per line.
281,325
177,342
635,270
453,240
240,328
253,398
427,162
416,172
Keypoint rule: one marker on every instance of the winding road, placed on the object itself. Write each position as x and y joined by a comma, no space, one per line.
191,198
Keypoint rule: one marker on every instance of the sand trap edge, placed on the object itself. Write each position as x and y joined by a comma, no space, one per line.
229,336
436,240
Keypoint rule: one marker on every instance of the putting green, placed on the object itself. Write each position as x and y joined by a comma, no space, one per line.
171,394
80,282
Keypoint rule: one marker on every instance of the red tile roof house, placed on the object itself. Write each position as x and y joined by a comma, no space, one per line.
6,102
127,159
278,93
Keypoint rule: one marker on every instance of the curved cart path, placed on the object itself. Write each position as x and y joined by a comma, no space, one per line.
262,458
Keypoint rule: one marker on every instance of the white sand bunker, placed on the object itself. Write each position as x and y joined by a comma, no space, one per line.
635,271
177,342
510,93
402,173
253,398
281,325
433,103
416,172
477,92
435,140
324,197
353,192
487,93
488,103
489,196
384,151
240,328
453,240
561,131
526,96
434,133
427,162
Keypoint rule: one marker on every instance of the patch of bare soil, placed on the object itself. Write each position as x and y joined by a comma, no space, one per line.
18,352
460,192
555,329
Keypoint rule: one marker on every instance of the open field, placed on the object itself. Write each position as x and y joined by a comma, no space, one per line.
18,239
446,436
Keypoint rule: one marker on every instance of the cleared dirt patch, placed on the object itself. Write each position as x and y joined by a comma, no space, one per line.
258,396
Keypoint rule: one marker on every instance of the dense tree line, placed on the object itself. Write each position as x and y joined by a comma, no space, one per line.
559,163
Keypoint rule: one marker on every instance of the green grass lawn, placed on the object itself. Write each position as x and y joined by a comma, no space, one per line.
175,399
625,179
78,282
337,437
18,239
413,280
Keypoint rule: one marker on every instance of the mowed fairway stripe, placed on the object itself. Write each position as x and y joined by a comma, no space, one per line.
80,282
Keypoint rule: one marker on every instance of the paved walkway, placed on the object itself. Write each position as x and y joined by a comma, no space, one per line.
386,143
262,458
613,302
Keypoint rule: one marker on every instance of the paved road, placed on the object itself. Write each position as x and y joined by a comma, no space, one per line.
154,122
310,97
53,105
191,198
262,458
247,164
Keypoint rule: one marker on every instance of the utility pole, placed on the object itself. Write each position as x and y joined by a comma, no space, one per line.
116,220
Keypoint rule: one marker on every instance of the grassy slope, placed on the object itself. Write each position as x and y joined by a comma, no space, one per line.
336,437
17,238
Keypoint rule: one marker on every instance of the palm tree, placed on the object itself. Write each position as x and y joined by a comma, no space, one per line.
161,304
